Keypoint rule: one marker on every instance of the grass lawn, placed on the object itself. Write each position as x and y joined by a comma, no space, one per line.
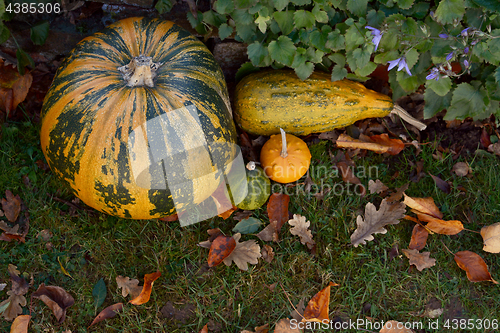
375,280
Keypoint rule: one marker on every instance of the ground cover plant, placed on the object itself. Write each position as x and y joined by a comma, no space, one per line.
390,224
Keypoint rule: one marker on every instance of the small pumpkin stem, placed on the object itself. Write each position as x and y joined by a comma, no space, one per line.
250,166
141,71
284,152
407,117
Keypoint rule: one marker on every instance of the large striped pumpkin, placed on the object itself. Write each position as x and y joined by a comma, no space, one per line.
126,121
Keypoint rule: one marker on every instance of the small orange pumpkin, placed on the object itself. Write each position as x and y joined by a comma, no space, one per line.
285,158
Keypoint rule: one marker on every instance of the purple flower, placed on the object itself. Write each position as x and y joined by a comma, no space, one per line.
466,50
464,32
434,74
443,36
401,63
449,56
377,36
466,63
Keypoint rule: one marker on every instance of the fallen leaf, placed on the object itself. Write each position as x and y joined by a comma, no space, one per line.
14,87
439,226
145,294
348,176
441,184
12,306
11,206
204,329
20,324
396,196
129,286
220,248
241,215
285,326
45,235
395,146
244,253
170,218
474,266
213,233
301,228
423,205
63,270
260,329
107,313
267,253
330,135
377,143
19,284
485,138
298,312
2,286
494,148
376,186
56,298
277,209
394,326
420,260
418,238
249,225
461,169
318,307
375,221
491,238
269,233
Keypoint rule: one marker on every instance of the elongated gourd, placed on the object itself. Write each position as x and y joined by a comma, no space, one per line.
269,100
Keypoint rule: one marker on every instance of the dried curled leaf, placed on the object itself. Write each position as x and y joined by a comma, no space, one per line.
441,227
474,266
107,313
318,307
56,298
423,205
267,253
376,186
277,209
220,248
129,286
301,228
418,238
270,232
20,324
13,306
420,260
375,221
145,294
244,253
491,238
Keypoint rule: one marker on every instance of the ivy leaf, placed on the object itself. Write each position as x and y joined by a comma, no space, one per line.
285,21
225,31
261,22
405,4
304,70
223,6
282,50
316,56
357,7
435,103
164,6
280,4
337,58
338,73
319,39
409,27
450,10
411,58
320,15
336,41
246,31
99,293
440,87
375,18
367,69
258,54
467,101
304,19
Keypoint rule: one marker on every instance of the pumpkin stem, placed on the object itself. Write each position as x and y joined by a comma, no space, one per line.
284,152
141,71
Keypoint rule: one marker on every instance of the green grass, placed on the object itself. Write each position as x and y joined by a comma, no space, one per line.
92,246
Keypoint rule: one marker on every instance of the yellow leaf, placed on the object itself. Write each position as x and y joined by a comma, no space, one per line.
423,205
145,294
20,324
318,307
491,238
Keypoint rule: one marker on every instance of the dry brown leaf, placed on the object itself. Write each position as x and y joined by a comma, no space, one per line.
20,324
298,312
285,326
317,309
395,146
376,186
420,260
423,205
220,248
394,326
439,226
242,215
301,228
204,329
269,233
129,286
375,221
474,265
15,304
260,329
267,253
56,298
378,143
441,184
491,238
461,169
418,238
244,253
14,87
11,206
107,313
494,148
396,196
145,294
277,209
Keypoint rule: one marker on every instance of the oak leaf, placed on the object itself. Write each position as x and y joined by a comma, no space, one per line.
247,252
376,186
491,238
107,313
220,248
420,260
375,221
56,298
129,286
267,253
474,266
145,294
318,307
13,306
301,228
20,324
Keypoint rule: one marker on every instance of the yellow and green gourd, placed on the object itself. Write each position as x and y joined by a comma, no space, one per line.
108,90
259,188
